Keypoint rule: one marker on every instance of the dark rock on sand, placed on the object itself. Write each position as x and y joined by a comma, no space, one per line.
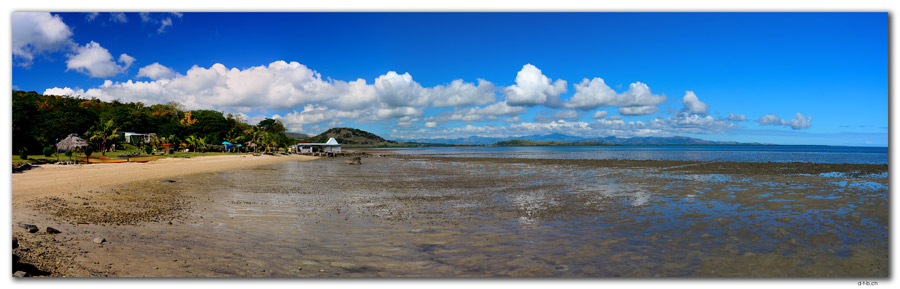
21,167
31,228
354,161
52,231
99,240
15,242
167,181
16,258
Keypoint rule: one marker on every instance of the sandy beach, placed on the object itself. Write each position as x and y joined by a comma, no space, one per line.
95,189
53,180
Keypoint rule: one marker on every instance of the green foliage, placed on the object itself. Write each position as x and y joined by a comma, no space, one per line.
88,151
69,153
148,149
48,151
39,121
103,132
23,153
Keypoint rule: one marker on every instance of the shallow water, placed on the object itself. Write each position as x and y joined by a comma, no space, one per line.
736,153
424,217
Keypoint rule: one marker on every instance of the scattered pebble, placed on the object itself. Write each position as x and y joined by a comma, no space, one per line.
20,274
31,228
52,231
99,240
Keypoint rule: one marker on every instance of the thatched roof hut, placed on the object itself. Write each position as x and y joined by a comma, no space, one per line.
72,141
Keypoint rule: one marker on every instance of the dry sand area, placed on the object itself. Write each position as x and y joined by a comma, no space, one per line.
54,180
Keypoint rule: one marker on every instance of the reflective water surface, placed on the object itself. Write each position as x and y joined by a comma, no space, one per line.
443,218
729,153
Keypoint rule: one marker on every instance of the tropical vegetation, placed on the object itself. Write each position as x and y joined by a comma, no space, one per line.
40,121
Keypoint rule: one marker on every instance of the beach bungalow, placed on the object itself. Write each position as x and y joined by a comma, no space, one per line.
331,146
127,136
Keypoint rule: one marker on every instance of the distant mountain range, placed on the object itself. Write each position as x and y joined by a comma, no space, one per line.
563,138
360,138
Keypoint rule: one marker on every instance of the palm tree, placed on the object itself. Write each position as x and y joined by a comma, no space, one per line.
154,141
255,136
103,131
201,142
192,141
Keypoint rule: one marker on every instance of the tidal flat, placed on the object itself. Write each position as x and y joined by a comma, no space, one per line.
419,216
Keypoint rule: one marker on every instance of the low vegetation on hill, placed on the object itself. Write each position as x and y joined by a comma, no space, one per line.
351,137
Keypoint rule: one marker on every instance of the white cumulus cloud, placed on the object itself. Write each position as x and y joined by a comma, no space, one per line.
737,117
799,122
638,110
35,33
65,91
600,114
565,114
127,60
692,104
473,114
94,60
399,90
156,71
594,93
312,114
533,88
459,93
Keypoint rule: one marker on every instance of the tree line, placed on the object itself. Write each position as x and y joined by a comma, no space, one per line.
41,121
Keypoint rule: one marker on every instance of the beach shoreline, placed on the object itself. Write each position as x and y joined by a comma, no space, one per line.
413,216
46,254
53,180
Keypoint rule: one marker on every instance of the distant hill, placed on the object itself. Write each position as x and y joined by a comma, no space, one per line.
528,143
352,137
563,139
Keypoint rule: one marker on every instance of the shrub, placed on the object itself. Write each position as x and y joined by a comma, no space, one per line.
48,151
88,151
23,153
148,149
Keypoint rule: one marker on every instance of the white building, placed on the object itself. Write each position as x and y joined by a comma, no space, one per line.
332,146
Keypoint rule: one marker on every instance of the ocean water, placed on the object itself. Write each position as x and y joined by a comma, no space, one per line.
442,217
736,153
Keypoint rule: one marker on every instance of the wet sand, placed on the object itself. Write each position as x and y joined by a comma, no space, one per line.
454,217
49,185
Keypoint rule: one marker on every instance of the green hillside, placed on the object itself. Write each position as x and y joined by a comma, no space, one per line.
352,137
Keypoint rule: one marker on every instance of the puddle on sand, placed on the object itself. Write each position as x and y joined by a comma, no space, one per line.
395,218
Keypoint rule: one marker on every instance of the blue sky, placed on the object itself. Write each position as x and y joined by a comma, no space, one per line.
784,78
